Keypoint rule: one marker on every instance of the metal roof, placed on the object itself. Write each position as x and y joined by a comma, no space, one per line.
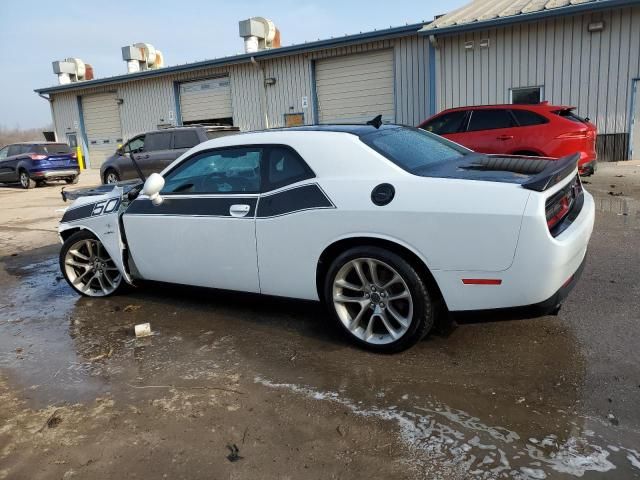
242,58
485,13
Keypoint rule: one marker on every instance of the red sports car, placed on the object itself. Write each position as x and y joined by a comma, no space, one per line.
535,130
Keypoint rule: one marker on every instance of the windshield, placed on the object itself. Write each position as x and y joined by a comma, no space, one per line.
412,149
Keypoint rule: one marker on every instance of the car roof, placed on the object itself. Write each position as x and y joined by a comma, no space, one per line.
352,128
182,128
512,106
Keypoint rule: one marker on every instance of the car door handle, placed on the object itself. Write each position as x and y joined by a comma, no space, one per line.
239,210
505,137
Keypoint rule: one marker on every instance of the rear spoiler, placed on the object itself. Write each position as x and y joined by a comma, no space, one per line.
553,173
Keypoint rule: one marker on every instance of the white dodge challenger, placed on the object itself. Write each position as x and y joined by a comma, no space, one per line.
380,222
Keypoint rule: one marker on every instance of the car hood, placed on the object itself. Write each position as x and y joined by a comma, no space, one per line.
126,186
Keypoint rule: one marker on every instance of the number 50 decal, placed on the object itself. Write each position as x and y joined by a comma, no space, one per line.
105,206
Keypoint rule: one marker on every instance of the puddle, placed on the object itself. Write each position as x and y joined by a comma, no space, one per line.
461,443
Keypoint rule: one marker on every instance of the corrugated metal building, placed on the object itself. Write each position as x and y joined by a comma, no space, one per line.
352,78
583,53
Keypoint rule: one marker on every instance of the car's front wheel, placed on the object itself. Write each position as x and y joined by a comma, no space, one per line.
379,299
87,266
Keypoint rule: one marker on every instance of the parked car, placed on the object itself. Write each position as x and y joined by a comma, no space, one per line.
155,150
534,130
34,163
381,222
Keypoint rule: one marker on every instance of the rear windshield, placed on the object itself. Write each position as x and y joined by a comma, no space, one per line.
571,115
52,149
412,149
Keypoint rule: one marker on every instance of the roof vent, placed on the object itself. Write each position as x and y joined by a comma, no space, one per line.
71,70
259,34
142,56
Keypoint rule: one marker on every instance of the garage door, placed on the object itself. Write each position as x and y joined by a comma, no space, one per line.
102,125
206,101
355,88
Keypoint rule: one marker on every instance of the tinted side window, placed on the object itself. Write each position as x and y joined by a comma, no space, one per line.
14,150
526,118
157,141
185,139
284,166
489,120
448,123
234,170
3,152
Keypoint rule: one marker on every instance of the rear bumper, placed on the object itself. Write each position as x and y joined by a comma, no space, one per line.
588,168
54,174
543,271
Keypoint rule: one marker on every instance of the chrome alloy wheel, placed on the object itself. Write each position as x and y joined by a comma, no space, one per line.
90,269
24,179
112,177
372,301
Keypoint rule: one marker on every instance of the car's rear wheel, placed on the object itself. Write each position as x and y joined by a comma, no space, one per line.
379,299
25,180
87,266
111,176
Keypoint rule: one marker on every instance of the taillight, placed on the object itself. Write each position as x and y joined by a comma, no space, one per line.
559,205
579,134
35,156
74,155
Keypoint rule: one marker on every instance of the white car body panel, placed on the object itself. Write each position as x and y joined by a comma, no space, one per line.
458,228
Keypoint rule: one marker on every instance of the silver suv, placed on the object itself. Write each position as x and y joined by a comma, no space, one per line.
153,151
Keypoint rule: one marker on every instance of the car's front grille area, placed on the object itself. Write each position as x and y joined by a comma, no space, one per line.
564,206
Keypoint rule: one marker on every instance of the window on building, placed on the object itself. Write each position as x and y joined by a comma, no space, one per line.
527,118
284,166
451,122
185,139
490,119
526,95
157,141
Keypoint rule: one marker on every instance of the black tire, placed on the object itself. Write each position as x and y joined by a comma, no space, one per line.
423,316
66,246
72,180
41,183
110,172
26,182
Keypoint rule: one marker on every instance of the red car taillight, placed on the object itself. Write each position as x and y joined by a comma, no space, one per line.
35,156
578,134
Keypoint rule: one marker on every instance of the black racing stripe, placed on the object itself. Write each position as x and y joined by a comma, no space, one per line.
214,207
289,201
78,213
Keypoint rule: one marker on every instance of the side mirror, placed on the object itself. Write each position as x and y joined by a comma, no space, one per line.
120,150
152,187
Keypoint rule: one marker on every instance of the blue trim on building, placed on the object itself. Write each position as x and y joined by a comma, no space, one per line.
432,79
635,92
314,94
245,57
83,133
176,96
528,17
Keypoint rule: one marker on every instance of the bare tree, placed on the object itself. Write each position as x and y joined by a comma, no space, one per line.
16,134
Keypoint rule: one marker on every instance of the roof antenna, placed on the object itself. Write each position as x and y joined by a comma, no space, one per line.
376,122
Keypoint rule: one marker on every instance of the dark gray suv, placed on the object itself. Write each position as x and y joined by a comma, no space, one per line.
153,151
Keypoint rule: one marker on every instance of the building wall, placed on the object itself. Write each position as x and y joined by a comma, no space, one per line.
150,102
591,71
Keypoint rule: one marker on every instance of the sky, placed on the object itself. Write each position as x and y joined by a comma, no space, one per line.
33,33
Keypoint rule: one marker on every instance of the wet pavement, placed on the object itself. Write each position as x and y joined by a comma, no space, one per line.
484,397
